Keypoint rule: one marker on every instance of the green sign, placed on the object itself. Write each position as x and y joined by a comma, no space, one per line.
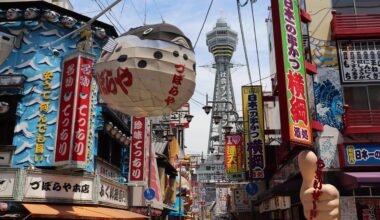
295,74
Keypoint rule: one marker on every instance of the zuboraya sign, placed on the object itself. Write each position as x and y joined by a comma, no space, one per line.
40,186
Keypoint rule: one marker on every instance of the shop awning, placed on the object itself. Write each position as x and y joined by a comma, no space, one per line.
352,180
79,212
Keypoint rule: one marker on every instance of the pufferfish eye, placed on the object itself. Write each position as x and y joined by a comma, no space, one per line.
175,53
185,57
122,58
141,64
158,55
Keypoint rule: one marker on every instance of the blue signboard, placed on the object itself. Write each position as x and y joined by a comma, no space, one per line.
149,194
251,188
362,154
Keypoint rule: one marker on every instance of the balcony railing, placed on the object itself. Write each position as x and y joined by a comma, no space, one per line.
361,121
355,25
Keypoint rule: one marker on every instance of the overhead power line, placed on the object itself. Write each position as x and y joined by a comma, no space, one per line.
117,29
204,21
243,39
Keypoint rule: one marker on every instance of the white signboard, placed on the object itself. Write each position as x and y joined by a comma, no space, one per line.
359,60
50,186
107,170
112,193
7,183
221,200
241,202
348,208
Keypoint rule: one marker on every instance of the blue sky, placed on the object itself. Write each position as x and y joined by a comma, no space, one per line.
189,15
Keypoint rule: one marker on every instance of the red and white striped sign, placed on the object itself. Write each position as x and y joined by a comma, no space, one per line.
73,116
66,111
83,98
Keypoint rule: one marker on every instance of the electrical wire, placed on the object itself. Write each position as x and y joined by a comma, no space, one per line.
122,8
159,11
89,12
145,13
117,29
200,103
254,32
243,39
261,79
204,21
200,93
112,15
137,12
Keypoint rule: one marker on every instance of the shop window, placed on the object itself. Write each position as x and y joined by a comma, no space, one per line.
362,97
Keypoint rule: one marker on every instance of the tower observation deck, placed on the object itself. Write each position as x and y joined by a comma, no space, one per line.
221,42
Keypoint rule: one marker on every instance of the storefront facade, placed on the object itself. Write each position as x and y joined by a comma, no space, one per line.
62,149
341,51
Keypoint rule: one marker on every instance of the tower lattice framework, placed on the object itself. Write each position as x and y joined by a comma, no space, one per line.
221,42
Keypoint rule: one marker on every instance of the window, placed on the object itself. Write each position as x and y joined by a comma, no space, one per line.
367,6
357,6
362,97
344,6
109,150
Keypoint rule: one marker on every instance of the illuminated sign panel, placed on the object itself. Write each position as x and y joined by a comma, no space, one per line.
233,155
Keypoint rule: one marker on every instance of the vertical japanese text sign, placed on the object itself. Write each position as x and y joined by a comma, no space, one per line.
291,75
73,116
233,154
137,152
253,116
82,110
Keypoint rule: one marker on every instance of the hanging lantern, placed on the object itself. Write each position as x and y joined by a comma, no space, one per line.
151,72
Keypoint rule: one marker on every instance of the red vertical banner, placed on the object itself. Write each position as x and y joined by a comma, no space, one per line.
137,152
74,111
83,97
66,112
233,155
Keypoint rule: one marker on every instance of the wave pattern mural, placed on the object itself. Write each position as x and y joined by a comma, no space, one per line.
327,87
33,60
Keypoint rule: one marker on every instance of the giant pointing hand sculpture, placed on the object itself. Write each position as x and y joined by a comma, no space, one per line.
320,201
150,73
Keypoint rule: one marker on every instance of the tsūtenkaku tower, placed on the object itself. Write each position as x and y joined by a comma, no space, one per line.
221,42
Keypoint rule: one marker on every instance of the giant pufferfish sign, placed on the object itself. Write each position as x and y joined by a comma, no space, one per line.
150,73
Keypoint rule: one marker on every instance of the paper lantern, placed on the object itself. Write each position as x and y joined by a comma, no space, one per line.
151,72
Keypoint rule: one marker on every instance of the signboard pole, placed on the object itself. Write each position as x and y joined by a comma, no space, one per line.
150,166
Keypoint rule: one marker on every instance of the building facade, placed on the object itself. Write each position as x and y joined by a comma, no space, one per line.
61,147
341,48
